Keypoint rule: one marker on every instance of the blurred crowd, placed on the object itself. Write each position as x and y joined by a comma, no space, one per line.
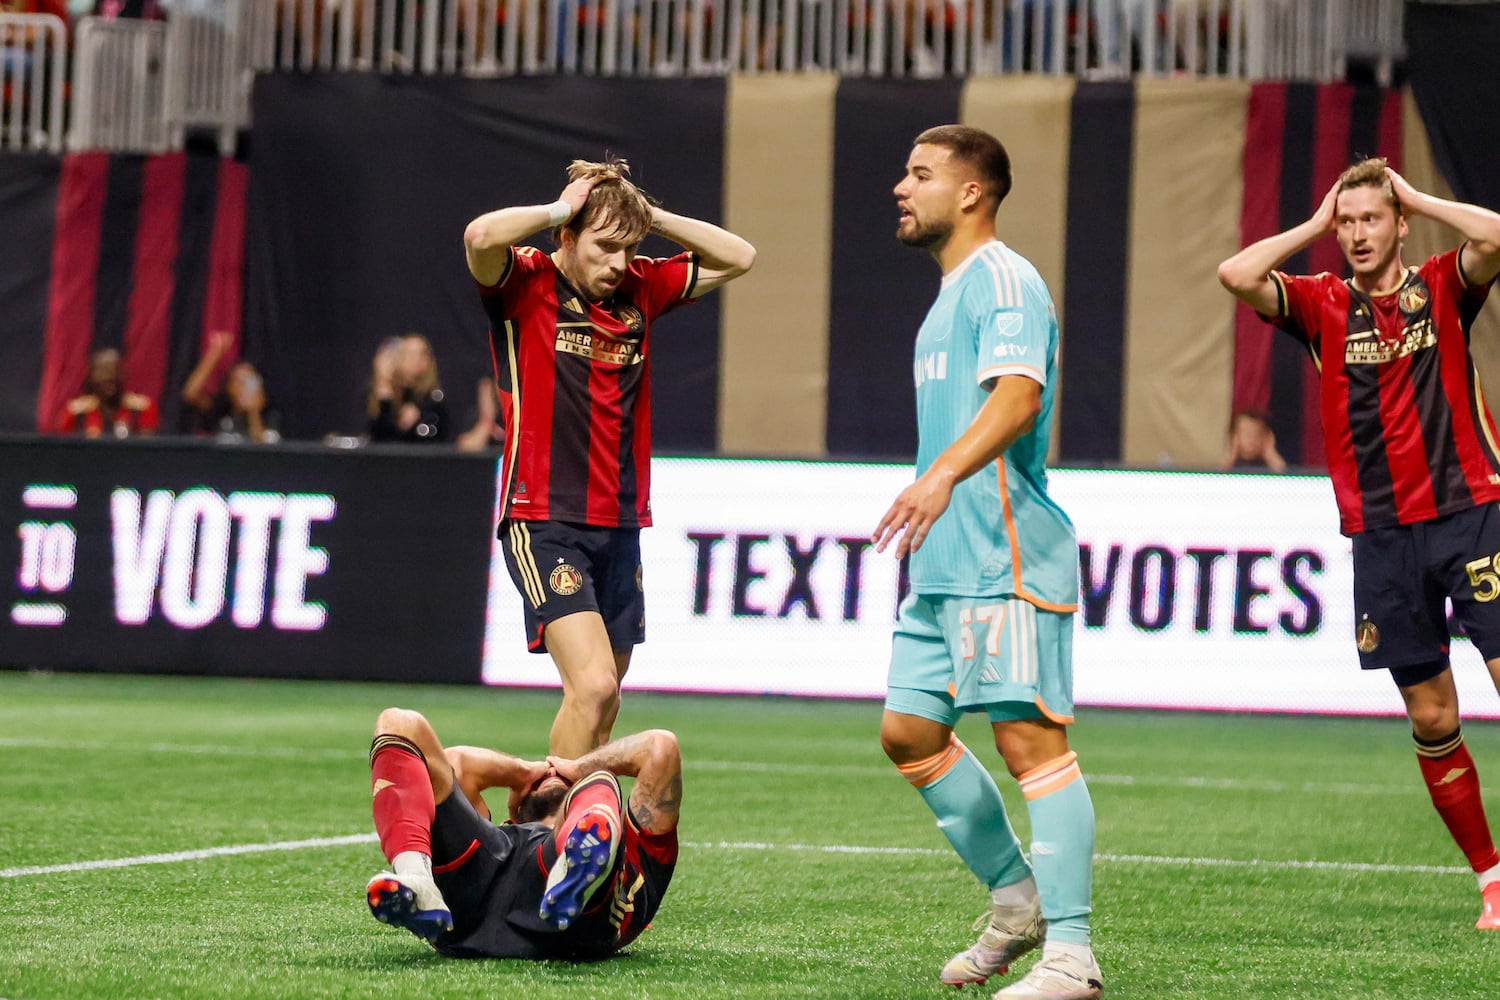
226,398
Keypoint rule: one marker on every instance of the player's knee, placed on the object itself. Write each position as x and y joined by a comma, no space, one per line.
662,746
595,694
401,722
1431,720
903,745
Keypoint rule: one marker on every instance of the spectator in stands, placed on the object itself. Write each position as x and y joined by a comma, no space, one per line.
105,409
145,10
407,401
1251,444
239,411
487,431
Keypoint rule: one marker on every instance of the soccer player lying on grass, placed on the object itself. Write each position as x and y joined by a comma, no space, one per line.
571,876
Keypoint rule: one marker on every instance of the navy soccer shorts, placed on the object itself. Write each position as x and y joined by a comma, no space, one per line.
562,568
1403,577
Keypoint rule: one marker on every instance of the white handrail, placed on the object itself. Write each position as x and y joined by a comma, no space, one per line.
140,85
33,74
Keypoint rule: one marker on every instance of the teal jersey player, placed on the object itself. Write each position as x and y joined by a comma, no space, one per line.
1002,533
988,625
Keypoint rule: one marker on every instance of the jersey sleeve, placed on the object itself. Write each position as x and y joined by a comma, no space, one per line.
1297,298
1014,329
524,267
1448,268
665,282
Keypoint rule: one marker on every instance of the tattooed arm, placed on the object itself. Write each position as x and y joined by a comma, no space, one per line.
653,760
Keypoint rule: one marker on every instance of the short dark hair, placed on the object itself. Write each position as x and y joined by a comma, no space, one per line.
540,804
977,149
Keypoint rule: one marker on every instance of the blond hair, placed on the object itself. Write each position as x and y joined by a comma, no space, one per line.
614,203
1370,173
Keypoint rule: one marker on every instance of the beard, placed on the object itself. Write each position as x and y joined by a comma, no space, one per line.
924,236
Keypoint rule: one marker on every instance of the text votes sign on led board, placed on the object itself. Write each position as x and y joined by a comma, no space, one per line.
1196,590
297,562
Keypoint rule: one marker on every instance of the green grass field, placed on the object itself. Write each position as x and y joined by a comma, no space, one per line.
1260,857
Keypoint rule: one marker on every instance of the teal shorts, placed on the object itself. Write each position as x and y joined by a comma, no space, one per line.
1000,655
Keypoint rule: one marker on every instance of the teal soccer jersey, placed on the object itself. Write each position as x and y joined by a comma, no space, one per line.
1002,533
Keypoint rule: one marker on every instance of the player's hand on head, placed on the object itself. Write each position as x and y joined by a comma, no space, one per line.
577,192
566,769
1327,214
1406,196
529,774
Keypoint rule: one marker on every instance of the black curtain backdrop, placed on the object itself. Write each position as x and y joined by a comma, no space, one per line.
880,289
1090,425
1455,76
28,199
361,186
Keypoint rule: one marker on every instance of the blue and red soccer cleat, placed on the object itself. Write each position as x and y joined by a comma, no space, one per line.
589,842
411,902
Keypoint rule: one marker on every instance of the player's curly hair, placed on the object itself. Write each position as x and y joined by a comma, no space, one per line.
615,202
1370,173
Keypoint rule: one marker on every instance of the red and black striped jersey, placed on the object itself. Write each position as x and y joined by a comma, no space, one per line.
1408,434
575,388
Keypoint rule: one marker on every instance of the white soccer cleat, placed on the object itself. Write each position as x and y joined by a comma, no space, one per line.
410,901
1057,977
1004,939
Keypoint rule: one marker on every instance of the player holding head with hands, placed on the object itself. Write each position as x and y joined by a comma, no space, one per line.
570,332
1412,452
988,625
577,873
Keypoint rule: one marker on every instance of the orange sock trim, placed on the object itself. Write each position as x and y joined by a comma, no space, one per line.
1051,776
924,772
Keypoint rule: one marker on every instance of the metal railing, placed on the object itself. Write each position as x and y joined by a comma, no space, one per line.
1259,39
33,74
139,86
119,86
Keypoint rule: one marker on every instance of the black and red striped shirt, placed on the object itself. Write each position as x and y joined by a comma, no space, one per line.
574,379
1408,434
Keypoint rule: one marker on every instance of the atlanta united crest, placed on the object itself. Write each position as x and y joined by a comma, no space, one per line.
632,318
565,581
1413,299
1366,636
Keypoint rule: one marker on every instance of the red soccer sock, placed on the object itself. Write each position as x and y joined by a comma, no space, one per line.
402,796
1451,780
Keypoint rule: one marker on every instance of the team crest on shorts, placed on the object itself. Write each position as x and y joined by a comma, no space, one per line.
1366,636
565,581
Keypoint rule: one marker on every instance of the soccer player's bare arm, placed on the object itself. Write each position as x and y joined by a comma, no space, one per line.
653,759
1480,256
722,256
1247,275
488,239
1009,412
475,769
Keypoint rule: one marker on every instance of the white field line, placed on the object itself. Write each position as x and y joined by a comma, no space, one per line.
368,838
1267,785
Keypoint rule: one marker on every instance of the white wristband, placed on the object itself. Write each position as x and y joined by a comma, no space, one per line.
559,212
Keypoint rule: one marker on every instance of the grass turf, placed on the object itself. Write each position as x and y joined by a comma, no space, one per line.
1202,819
